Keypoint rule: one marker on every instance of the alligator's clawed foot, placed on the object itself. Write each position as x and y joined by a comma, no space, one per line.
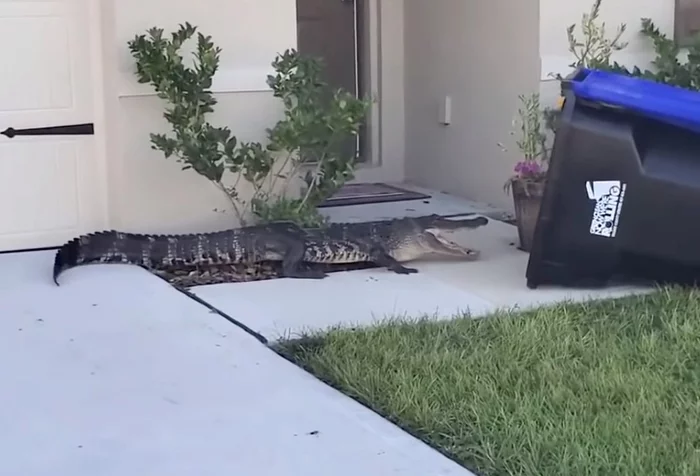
403,270
381,258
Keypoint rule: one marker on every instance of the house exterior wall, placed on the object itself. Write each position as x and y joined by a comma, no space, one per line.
555,16
147,192
482,55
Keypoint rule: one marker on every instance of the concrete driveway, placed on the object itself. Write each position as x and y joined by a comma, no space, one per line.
116,373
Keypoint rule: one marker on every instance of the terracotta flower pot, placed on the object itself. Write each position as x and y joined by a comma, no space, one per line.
527,197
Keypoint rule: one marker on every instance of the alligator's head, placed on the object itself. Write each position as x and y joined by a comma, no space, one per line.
414,238
433,242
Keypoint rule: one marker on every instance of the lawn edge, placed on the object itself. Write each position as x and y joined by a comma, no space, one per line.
284,349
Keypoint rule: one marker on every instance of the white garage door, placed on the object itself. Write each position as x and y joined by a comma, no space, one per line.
50,188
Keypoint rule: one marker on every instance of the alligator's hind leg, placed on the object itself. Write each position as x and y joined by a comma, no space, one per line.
293,260
382,258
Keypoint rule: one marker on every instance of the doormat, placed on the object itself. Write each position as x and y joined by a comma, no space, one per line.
366,193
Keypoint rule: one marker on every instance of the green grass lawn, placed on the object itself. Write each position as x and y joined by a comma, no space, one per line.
608,388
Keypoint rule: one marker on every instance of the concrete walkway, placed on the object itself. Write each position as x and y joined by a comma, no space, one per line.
116,373
283,308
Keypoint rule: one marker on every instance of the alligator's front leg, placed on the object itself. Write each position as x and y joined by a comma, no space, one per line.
382,258
293,260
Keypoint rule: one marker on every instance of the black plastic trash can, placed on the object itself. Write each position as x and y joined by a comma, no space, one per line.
622,200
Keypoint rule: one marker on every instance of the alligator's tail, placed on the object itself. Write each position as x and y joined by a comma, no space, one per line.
151,251
111,247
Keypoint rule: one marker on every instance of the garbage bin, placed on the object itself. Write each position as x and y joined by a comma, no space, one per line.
622,199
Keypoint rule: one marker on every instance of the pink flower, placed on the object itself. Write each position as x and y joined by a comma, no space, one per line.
528,168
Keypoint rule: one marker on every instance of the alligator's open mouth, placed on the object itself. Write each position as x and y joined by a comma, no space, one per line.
441,245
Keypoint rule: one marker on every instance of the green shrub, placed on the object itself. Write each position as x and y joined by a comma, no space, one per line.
305,146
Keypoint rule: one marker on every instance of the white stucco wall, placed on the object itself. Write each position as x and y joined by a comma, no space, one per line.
150,193
556,15
481,55
147,191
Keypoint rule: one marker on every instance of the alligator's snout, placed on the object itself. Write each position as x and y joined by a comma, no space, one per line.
439,244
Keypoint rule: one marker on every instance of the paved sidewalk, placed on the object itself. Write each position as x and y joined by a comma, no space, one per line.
116,373
442,289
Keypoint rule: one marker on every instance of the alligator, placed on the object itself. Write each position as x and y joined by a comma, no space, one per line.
384,243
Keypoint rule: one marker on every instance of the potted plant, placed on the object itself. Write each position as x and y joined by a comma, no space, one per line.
537,124
528,180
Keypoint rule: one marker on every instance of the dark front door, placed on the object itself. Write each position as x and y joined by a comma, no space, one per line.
332,31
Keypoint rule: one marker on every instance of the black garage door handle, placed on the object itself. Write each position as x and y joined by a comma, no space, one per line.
71,130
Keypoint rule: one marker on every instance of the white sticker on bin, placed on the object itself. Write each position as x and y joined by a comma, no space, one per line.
608,195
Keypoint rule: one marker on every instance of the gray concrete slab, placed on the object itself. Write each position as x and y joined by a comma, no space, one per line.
498,277
442,289
284,308
116,373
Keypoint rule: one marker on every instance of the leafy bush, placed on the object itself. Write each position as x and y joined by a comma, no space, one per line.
305,146
595,49
668,69
595,52
317,124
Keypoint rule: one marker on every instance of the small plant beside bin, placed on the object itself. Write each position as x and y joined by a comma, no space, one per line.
528,180
538,124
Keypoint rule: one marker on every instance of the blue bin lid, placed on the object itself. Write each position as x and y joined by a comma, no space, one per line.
665,102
